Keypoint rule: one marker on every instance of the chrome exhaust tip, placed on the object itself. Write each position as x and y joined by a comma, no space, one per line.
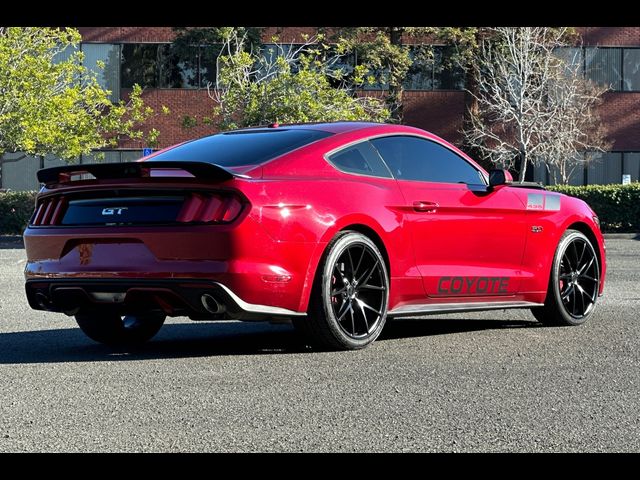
210,304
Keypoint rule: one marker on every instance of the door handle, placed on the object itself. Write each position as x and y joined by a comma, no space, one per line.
425,207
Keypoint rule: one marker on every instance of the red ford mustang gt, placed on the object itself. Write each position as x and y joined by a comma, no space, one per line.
333,226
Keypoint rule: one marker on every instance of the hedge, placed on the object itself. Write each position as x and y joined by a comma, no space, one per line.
617,206
15,210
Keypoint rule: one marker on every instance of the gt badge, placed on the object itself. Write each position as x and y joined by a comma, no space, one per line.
113,211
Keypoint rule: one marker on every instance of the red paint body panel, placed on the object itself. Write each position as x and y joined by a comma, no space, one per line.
295,204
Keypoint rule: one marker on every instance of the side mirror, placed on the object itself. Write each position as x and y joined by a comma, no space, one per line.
499,177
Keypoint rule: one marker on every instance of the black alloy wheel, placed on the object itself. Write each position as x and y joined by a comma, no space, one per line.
348,307
574,283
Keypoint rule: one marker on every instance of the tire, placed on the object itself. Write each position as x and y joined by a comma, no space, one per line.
349,298
115,330
573,284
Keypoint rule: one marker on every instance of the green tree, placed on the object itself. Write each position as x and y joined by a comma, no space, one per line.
293,85
53,105
386,56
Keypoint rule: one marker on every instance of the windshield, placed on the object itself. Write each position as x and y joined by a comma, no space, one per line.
243,147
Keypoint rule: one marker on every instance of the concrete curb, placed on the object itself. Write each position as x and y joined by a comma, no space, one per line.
628,236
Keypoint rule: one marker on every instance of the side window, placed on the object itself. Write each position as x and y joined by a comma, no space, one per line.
360,158
413,158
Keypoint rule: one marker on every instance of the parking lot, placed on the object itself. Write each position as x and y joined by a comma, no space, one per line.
492,381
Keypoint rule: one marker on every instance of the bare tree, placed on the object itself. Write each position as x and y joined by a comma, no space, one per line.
575,135
532,105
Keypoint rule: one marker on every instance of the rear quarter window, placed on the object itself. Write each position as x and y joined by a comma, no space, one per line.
360,158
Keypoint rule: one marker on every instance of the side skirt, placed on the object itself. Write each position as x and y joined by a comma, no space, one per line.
426,309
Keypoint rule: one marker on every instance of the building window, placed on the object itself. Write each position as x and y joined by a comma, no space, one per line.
207,64
103,59
428,72
616,68
605,168
342,65
631,69
433,72
106,55
446,75
631,165
271,51
178,68
139,64
573,58
420,73
164,65
604,66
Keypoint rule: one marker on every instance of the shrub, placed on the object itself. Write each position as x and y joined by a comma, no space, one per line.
15,210
617,206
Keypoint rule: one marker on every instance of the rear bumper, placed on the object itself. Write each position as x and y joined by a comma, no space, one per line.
251,266
196,298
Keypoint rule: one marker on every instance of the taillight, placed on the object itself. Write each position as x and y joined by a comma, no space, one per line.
210,208
197,207
50,211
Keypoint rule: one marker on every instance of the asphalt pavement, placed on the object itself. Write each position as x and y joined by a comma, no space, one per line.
491,381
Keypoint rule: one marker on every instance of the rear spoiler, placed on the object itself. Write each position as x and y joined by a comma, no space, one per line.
200,170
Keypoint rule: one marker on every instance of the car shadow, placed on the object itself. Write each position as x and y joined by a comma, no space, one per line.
184,340
421,327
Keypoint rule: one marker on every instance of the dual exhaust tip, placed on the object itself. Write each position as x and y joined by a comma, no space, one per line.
211,305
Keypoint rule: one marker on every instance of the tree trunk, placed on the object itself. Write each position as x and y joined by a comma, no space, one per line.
394,97
563,173
523,166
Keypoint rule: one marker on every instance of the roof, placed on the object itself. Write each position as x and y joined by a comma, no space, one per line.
333,127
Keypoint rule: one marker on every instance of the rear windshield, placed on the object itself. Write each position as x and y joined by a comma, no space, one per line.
249,147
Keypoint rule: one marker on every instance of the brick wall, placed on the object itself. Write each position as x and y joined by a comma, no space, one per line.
287,34
126,34
610,36
440,112
620,113
193,103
